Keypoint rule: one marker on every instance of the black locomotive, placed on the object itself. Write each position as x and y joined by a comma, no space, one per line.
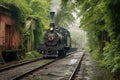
57,41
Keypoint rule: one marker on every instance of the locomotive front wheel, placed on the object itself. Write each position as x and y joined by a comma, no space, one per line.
62,53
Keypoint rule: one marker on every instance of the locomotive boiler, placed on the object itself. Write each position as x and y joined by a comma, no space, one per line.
57,41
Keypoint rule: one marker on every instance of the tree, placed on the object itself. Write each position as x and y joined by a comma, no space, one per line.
65,17
41,10
101,20
24,9
38,22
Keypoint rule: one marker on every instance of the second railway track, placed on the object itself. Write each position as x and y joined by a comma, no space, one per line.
23,62
61,69
17,63
14,72
10,73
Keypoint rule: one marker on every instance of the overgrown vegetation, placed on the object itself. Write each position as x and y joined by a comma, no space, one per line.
20,11
36,13
32,54
64,16
101,20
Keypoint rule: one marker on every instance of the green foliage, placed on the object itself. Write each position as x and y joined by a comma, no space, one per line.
36,54
19,11
1,1
64,2
38,10
38,33
41,20
40,14
19,8
101,20
32,33
32,54
112,56
41,10
65,17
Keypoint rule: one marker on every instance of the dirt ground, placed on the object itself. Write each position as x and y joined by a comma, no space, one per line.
93,71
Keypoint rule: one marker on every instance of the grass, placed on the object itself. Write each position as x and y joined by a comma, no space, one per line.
32,54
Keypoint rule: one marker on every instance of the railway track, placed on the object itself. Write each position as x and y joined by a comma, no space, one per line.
27,75
77,69
35,69
31,71
23,62
12,72
18,63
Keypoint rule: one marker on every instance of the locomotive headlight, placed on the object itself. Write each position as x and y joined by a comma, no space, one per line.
51,28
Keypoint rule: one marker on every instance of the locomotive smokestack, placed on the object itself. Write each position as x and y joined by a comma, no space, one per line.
52,19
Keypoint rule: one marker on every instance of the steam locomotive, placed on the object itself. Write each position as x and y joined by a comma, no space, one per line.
57,41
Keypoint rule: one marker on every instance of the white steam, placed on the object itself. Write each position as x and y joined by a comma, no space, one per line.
55,6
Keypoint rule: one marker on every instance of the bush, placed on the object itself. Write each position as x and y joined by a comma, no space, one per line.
112,57
32,54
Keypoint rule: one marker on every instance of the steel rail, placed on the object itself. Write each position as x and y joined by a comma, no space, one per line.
77,67
40,67
18,64
12,65
35,69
